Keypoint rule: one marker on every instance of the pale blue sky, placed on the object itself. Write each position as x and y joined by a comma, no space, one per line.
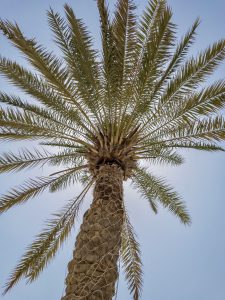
180,263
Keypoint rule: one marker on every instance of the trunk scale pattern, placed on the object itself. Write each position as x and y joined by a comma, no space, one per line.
93,271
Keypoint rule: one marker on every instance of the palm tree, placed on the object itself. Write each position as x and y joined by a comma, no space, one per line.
103,113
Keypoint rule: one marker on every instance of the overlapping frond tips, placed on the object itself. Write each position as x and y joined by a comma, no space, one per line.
47,243
52,108
156,190
131,259
155,49
31,84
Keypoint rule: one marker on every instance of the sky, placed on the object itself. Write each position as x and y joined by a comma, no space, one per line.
179,262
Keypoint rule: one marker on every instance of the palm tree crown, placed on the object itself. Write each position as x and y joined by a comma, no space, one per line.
139,98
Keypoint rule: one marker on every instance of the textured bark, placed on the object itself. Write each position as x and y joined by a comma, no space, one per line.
92,273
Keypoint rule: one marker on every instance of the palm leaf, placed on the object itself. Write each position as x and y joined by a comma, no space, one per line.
161,156
69,177
124,27
206,102
155,189
47,243
208,129
190,108
37,87
20,195
131,259
108,52
156,54
26,159
195,71
178,56
82,63
26,122
196,145
51,68
45,113
33,187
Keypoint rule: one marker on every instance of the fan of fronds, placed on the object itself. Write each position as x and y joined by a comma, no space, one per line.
140,97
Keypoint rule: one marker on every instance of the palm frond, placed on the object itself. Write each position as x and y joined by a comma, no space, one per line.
147,27
161,156
49,66
156,54
47,243
28,123
44,62
194,72
82,63
197,146
60,31
178,56
36,87
208,129
206,102
33,187
131,259
26,159
145,36
51,115
155,189
124,29
108,51
21,194
67,177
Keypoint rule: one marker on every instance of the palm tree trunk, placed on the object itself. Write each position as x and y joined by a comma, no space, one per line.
92,273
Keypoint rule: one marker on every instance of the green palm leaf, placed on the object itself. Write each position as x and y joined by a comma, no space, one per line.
156,190
131,259
20,195
197,146
47,243
26,159
161,156
34,187
178,57
195,71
